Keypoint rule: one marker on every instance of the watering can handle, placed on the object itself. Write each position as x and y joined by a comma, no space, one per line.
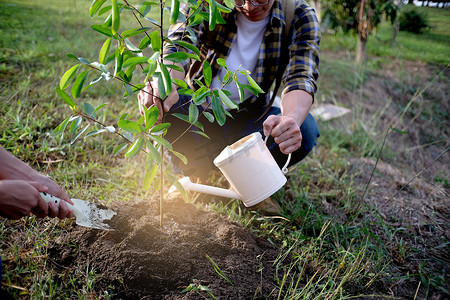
284,169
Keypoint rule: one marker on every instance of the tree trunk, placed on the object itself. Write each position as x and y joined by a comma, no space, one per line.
361,54
316,4
397,22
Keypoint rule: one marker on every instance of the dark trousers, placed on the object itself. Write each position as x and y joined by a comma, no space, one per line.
201,151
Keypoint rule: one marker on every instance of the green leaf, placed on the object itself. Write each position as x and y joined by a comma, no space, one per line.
145,7
186,119
68,76
135,147
177,57
218,110
136,60
182,84
161,141
253,84
161,86
150,176
209,116
78,84
200,95
156,156
193,113
129,126
160,128
132,32
94,132
95,6
192,36
241,91
207,72
222,62
115,17
224,9
156,41
174,11
66,98
180,156
100,107
119,148
200,133
89,109
104,51
79,134
227,101
166,78
131,46
188,46
102,30
145,42
175,67
151,116
61,127
104,10
76,123
194,56
129,90
119,62
212,14
229,3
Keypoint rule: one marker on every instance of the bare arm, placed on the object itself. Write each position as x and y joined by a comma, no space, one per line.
15,171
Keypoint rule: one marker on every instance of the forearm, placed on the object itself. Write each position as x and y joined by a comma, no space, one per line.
13,168
296,104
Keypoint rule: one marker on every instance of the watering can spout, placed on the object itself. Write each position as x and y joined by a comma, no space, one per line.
188,185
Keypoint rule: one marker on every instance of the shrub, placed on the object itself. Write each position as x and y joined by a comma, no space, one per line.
413,21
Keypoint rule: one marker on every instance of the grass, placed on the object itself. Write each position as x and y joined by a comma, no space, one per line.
323,254
432,46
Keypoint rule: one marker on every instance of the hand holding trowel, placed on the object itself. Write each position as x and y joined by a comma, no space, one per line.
87,214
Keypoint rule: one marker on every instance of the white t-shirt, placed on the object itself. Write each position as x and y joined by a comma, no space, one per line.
244,54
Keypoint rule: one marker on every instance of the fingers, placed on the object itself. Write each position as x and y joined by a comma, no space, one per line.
269,124
52,210
285,131
64,211
149,96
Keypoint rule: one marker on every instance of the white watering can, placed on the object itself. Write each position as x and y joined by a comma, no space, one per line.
250,169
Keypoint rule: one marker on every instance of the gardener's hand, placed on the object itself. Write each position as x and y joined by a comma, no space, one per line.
52,188
149,96
285,132
18,198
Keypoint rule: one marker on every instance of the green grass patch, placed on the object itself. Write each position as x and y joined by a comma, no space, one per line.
432,46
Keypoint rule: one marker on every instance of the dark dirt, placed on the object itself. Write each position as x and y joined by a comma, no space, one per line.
144,261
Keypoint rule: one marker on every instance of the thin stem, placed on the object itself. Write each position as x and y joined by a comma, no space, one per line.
376,163
161,166
104,125
418,174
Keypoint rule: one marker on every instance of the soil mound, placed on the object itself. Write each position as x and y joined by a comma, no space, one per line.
144,261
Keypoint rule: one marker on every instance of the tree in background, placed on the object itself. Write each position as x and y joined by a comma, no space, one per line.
359,17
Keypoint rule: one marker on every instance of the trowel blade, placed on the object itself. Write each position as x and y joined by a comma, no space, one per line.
88,214
92,215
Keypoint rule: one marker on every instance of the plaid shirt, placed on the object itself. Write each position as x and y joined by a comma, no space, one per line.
302,49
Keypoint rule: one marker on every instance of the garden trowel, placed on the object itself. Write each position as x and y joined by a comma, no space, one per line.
88,214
